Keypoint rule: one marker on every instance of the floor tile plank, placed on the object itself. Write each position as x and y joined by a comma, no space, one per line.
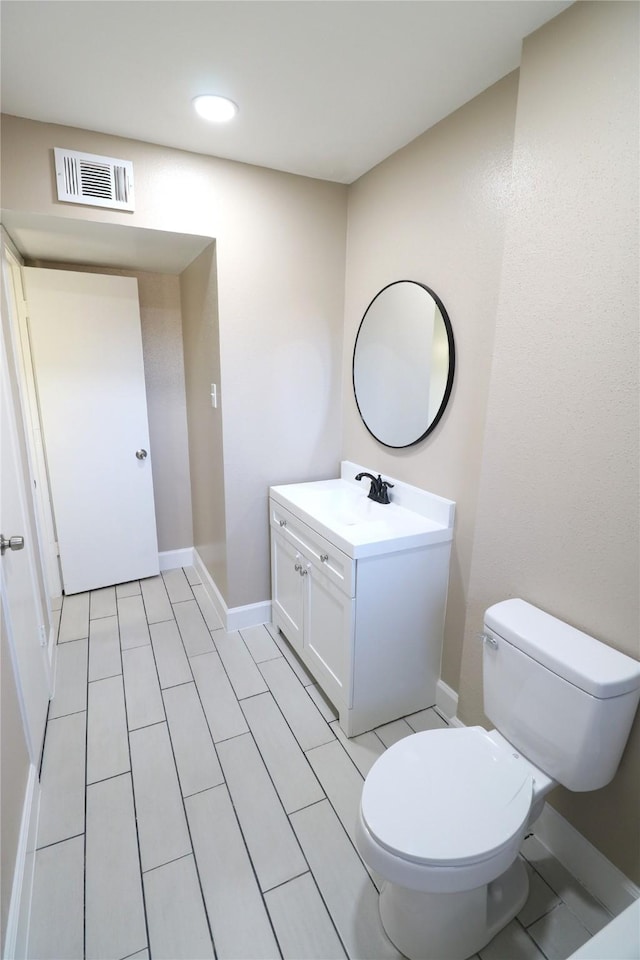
345,885
288,767
270,840
141,688
74,622
57,909
107,744
364,750
71,679
246,679
62,780
113,877
193,630
192,575
428,719
104,648
586,908
513,943
177,585
260,643
195,754
391,733
103,603
156,601
130,589
302,923
239,921
559,933
222,710
171,659
178,928
340,780
162,828
134,630
301,713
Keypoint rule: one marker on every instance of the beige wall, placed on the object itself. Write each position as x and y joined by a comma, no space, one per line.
280,243
201,335
435,212
557,517
14,775
161,322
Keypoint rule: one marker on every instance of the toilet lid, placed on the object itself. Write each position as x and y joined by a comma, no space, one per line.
446,797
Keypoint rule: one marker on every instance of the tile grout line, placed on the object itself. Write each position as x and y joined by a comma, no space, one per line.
133,789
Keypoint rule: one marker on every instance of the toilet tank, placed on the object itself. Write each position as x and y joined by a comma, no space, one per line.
565,700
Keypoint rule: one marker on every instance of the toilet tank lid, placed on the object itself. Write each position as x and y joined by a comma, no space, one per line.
582,660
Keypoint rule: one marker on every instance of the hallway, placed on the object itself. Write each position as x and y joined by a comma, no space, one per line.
198,793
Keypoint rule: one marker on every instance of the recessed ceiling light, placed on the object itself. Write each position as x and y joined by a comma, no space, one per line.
217,109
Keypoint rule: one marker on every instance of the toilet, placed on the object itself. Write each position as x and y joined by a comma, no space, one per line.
443,813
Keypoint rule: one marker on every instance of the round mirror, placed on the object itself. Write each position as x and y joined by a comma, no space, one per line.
403,363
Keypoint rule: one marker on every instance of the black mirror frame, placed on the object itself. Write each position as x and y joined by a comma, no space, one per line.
452,365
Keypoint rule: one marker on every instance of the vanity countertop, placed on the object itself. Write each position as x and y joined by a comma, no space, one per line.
341,511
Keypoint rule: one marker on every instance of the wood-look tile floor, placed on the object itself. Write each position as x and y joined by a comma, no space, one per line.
199,798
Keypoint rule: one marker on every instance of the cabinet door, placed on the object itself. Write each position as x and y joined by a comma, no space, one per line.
287,590
328,635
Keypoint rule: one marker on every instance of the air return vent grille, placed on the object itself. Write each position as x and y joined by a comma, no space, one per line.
90,179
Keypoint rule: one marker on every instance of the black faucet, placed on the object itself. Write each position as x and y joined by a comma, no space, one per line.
379,487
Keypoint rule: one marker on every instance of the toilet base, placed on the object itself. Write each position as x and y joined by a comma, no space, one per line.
451,926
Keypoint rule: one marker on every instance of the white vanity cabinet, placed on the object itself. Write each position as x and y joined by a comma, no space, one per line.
368,620
313,605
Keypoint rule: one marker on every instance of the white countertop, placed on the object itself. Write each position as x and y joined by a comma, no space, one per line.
341,511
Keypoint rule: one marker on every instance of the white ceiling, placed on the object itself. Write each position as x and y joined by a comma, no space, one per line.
326,88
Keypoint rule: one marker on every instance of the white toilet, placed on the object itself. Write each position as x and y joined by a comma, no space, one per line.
443,813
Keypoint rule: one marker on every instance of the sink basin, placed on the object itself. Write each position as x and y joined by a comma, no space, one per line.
341,511
346,504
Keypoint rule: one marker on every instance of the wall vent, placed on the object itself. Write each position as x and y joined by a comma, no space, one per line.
89,179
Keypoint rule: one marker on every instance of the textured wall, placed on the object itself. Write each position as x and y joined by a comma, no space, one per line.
435,212
280,243
201,337
557,518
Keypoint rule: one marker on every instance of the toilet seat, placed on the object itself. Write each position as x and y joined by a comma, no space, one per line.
447,799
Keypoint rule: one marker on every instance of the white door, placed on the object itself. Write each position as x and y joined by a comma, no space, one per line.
87,354
21,608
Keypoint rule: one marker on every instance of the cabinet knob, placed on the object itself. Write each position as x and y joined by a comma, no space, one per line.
304,572
283,523
324,557
298,567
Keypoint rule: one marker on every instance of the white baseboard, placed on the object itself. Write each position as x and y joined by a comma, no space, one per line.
171,559
446,700
15,944
601,877
233,618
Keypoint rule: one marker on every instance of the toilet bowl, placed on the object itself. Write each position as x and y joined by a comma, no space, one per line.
443,813
445,810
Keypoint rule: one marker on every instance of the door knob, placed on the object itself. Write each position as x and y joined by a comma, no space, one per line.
141,454
13,543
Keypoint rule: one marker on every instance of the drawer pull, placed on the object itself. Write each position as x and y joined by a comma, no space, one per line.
324,557
282,523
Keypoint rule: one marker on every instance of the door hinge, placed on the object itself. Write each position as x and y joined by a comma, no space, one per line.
43,636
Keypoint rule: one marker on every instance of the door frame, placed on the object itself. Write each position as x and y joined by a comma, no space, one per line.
29,414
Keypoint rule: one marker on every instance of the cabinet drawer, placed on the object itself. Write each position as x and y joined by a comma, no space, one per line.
331,561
